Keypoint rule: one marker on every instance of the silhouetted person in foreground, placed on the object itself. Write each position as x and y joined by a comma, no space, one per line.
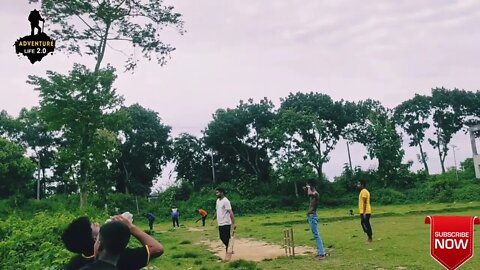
80,235
112,241
34,18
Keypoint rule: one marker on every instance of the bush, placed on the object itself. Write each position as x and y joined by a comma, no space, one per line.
387,196
36,238
467,193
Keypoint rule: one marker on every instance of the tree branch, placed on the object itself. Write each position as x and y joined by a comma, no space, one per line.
91,28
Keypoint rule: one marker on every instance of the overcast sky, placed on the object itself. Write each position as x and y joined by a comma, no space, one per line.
233,50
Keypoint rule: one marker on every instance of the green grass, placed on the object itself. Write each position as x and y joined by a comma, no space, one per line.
401,239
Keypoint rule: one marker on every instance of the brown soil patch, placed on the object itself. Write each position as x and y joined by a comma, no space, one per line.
190,229
253,250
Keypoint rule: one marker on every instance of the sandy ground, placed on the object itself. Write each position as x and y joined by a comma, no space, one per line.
253,250
195,230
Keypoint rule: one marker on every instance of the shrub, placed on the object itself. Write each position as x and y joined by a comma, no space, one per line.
242,265
387,196
467,193
36,238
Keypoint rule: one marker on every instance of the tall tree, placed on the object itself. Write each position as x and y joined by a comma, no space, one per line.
77,105
310,125
239,135
413,116
192,163
447,119
381,139
37,138
145,149
15,169
90,26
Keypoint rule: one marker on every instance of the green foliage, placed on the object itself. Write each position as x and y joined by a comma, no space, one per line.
101,23
447,119
145,148
387,196
239,137
413,115
308,127
242,265
77,106
36,238
15,169
192,164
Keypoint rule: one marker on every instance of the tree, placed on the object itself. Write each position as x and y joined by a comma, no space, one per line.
76,106
35,136
145,149
15,169
413,116
9,127
191,161
310,125
239,136
381,140
447,119
90,26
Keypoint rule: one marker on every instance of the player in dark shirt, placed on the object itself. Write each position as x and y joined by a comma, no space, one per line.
79,238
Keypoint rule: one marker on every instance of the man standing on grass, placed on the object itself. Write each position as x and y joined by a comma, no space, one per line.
175,216
365,209
225,218
313,218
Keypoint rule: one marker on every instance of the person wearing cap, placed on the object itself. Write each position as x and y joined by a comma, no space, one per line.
203,216
111,242
80,235
225,218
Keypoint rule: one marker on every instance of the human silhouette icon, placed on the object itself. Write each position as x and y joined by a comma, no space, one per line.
34,18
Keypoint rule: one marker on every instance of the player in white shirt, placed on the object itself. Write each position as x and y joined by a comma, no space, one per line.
224,216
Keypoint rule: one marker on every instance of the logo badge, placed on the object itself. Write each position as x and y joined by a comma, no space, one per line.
451,239
36,45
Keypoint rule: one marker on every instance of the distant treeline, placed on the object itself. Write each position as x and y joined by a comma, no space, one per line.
84,141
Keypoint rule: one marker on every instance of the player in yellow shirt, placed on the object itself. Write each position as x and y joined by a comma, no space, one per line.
365,209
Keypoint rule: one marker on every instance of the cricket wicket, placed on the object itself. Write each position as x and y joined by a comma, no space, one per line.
288,242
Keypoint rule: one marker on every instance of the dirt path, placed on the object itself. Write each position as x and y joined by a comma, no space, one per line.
253,250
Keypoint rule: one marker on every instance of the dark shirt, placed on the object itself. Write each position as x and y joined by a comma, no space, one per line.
99,265
312,208
131,259
150,217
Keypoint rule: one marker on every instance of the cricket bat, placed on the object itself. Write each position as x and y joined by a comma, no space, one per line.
231,243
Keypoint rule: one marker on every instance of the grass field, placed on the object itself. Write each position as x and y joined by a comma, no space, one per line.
401,240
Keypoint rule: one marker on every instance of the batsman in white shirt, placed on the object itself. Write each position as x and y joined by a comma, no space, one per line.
225,218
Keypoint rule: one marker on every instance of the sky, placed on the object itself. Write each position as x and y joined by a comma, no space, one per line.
236,50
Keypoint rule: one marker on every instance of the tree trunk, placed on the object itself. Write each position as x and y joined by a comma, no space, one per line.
349,157
83,197
127,177
101,50
422,154
296,188
83,184
440,156
44,184
319,170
